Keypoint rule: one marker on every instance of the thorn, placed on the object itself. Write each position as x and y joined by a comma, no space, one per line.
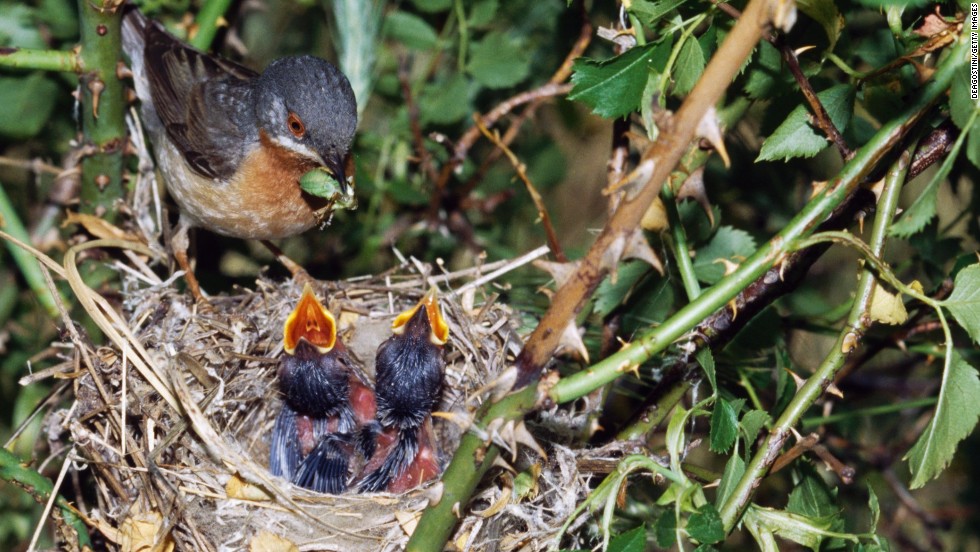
834,390
498,506
797,380
693,188
632,182
710,130
524,437
803,49
730,266
559,272
733,304
434,493
571,341
463,421
503,464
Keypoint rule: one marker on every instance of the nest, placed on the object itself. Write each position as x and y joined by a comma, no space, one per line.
172,417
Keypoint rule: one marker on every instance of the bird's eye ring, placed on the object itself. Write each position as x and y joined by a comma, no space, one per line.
295,125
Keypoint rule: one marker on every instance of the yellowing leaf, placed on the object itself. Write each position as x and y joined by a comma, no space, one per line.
238,488
140,532
887,308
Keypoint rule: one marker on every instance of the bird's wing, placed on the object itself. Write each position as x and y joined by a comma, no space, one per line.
202,101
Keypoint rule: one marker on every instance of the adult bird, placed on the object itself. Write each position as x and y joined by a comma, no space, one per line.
326,399
232,144
408,383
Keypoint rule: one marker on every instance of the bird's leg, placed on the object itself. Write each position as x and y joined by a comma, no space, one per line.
180,242
299,273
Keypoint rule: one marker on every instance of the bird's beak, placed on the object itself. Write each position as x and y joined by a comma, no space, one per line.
311,321
425,316
342,169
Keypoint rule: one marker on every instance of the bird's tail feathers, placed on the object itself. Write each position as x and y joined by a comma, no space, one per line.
398,460
325,469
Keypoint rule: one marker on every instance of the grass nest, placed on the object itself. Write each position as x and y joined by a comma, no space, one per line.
172,416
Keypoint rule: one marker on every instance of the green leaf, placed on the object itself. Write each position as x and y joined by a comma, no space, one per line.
689,66
961,104
410,29
27,104
764,523
675,436
752,422
728,243
666,529
650,12
705,525
825,13
734,470
320,183
610,295
956,415
796,137
18,26
889,3
875,509
634,540
810,497
973,146
613,88
446,102
964,302
707,362
724,424
499,61
923,209
432,6
767,74
483,12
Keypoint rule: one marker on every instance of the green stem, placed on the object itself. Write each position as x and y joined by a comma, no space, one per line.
102,107
820,207
641,39
656,414
865,412
44,60
464,34
461,478
28,265
207,23
41,488
681,251
857,324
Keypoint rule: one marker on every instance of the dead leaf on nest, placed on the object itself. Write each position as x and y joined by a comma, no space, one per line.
140,532
264,541
98,227
236,487
408,521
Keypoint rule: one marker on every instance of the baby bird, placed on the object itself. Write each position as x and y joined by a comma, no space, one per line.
326,398
408,384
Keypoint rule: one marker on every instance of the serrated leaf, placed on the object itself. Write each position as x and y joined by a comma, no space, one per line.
875,509
499,61
752,422
961,105
689,66
634,540
610,295
964,302
724,424
887,308
728,243
650,12
894,3
734,470
613,88
410,29
446,102
767,75
973,146
825,13
956,415
810,497
764,523
705,525
707,362
796,137
666,529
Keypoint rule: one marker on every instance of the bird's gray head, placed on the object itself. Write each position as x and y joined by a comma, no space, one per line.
306,105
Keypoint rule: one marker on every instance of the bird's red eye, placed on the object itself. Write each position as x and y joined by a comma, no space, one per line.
295,125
